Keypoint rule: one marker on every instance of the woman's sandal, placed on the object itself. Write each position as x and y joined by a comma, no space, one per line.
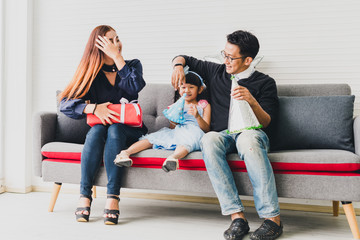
170,164
123,160
111,220
79,212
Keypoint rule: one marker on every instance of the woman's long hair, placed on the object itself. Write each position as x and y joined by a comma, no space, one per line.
90,65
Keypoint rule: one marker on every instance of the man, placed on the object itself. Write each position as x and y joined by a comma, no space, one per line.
260,91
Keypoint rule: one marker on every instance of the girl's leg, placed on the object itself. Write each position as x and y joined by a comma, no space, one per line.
123,158
179,153
138,147
172,162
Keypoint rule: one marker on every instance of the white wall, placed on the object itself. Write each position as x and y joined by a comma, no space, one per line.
303,41
1,94
17,104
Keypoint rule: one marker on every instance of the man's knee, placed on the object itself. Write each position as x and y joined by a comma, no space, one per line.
248,141
210,138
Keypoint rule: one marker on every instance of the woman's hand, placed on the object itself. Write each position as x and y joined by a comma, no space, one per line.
193,111
105,114
242,93
109,48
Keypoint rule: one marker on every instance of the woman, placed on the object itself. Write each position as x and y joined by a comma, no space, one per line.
103,77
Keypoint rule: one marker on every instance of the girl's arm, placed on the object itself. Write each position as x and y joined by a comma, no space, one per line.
204,122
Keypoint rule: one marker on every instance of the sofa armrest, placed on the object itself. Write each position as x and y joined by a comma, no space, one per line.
357,134
44,131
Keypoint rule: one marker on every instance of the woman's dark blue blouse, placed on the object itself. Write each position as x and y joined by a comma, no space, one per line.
128,83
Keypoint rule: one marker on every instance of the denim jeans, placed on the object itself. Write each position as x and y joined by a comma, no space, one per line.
252,147
104,143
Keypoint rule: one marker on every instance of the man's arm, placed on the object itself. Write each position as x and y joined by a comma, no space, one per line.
262,116
204,68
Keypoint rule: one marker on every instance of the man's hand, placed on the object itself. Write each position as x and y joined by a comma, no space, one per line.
177,77
242,93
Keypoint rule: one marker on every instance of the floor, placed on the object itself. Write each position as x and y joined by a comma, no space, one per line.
25,216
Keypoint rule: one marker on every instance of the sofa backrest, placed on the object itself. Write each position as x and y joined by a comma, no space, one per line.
288,134
299,90
153,99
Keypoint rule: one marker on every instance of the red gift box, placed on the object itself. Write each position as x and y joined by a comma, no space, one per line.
130,114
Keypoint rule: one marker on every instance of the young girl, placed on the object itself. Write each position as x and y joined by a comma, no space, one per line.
183,138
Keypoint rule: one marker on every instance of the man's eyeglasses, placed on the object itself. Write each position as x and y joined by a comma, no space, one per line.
230,59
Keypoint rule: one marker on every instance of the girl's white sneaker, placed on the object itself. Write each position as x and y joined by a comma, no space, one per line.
170,164
123,160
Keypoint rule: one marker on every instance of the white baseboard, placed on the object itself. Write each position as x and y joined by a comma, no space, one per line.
18,190
2,188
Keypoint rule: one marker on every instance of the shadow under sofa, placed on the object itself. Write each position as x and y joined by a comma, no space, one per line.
315,149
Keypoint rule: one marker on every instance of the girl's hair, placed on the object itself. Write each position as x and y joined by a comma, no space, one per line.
193,79
90,65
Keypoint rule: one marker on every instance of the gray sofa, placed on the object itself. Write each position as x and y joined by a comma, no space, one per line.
315,148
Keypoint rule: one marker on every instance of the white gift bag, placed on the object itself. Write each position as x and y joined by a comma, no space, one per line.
241,115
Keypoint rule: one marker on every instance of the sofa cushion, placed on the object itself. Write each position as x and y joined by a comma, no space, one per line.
315,160
314,122
292,160
62,150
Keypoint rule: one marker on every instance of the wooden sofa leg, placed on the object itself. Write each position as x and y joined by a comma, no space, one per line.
351,217
54,196
335,208
94,191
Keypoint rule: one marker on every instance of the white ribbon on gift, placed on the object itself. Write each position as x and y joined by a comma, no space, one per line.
124,101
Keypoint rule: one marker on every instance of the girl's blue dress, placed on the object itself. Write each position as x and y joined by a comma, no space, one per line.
187,134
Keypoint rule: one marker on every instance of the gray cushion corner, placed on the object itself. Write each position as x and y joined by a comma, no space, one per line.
69,129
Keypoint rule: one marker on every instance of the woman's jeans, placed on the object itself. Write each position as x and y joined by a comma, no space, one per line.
252,147
104,143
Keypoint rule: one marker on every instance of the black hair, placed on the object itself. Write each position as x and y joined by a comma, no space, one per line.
193,79
246,41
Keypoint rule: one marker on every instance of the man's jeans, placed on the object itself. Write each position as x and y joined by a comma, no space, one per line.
252,147
104,143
